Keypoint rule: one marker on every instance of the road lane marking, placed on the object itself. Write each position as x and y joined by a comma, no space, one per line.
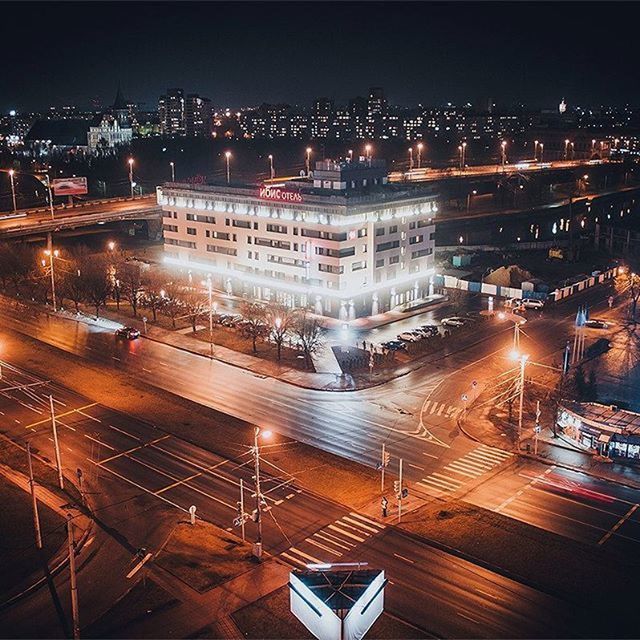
462,615
302,554
417,466
486,593
397,555
617,525
368,520
343,544
86,415
104,444
430,455
359,524
342,523
126,433
134,449
139,565
61,415
284,554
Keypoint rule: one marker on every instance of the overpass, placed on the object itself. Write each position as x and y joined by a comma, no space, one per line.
26,222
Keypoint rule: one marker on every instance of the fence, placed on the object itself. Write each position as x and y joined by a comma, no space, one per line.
451,282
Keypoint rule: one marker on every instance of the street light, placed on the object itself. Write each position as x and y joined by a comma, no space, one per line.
464,154
13,189
308,161
420,146
272,172
503,151
523,361
410,159
367,149
111,245
173,171
51,255
211,305
541,150
257,548
535,149
131,175
474,192
566,149
350,155
460,156
227,155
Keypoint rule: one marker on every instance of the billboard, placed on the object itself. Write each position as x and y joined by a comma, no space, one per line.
69,186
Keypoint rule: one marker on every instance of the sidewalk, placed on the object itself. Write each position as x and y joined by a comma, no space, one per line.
81,523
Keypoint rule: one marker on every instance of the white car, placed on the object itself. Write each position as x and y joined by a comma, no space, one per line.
409,337
454,321
532,303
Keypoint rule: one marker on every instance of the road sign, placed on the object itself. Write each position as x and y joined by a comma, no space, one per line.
69,186
537,428
464,397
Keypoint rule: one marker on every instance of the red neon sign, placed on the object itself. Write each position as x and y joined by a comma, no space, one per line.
279,195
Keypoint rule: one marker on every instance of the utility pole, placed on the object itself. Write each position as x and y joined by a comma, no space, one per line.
209,285
55,443
257,547
523,362
34,501
516,336
400,493
51,254
50,196
384,462
537,428
72,574
242,508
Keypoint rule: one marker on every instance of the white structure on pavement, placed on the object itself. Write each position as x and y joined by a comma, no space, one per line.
342,242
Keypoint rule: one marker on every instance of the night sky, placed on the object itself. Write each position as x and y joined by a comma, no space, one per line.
242,54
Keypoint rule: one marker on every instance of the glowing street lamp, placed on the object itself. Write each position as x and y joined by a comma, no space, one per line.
503,152
535,149
173,171
130,161
566,149
111,245
272,172
460,156
472,193
227,155
350,155
523,361
464,155
13,189
51,255
420,147
308,161
367,149
541,150
410,158
257,432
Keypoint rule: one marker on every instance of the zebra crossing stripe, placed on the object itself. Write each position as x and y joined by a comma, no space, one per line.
482,456
439,484
305,555
434,406
499,454
379,525
449,479
441,409
359,524
342,523
466,472
474,464
321,546
284,554
330,541
431,488
346,533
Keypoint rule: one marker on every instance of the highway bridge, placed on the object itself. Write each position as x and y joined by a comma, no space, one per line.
26,222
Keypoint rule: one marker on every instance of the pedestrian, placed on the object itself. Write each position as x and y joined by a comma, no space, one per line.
364,345
384,503
610,301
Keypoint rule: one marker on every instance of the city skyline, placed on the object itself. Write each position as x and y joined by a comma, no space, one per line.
421,53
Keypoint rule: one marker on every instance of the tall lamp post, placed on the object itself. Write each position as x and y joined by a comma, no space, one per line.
173,171
503,153
474,192
308,161
13,189
535,149
209,284
272,173
257,547
541,150
523,362
367,149
131,175
410,158
420,147
464,154
460,157
566,149
50,191
51,254
227,155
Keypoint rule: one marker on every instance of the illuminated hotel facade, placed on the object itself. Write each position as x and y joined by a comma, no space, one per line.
342,242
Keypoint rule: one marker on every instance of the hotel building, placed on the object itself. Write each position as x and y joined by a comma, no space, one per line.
341,242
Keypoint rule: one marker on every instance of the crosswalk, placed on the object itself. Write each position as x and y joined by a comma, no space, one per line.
461,471
333,541
435,408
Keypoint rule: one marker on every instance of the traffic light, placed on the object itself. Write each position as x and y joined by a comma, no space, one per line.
396,487
386,459
239,508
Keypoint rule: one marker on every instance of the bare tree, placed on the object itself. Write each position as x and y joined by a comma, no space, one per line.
129,275
255,321
154,294
280,319
97,282
194,305
72,284
20,261
310,334
172,306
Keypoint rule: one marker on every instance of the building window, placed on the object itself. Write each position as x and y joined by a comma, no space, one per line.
412,225
385,246
379,263
227,251
380,231
243,224
357,266
207,219
394,259
336,253
416,239
180,243
423,223
421,254
192,217
393,229
276,228
191,231
255,226
329,268
170,227
362,233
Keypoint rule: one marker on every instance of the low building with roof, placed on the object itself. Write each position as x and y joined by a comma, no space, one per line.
607,429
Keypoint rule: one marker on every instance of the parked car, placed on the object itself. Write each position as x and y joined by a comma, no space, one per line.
394,345
429,329
596,324
409,336
127,333
454,321
532,303
230,320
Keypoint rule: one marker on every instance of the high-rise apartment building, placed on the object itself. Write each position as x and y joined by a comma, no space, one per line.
171,109
197,116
